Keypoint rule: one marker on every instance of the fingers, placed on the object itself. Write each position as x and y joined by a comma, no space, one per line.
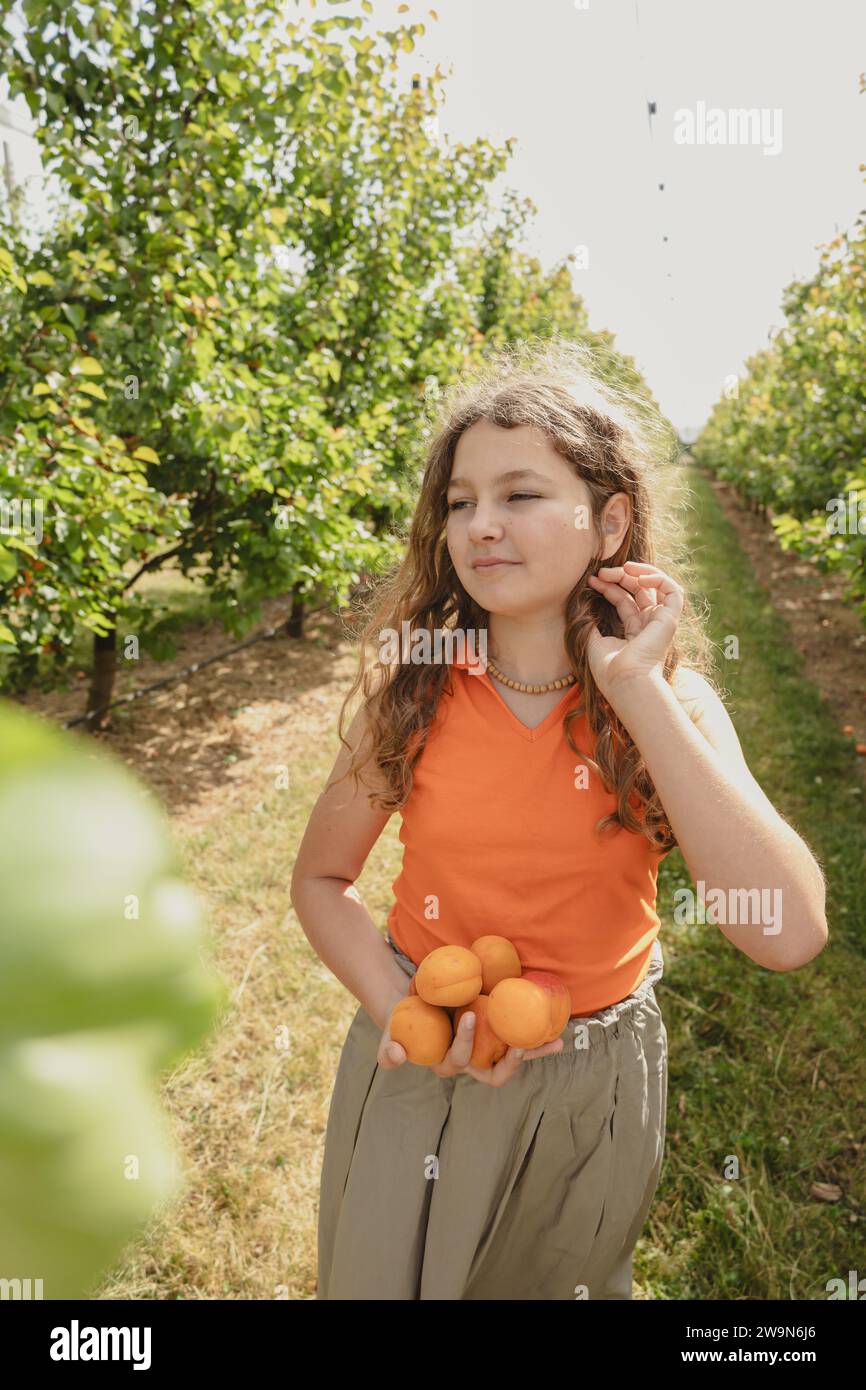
546,1051
641,579
457,1057
626,606
391,1054
500,1072
618,593
460,1050
509,1064
505,1068
632,575
616,584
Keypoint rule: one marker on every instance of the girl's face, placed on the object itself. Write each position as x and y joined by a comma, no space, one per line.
540,522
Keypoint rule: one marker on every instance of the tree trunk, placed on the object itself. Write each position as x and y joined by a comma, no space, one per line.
295,621
102,679
380,517
23,671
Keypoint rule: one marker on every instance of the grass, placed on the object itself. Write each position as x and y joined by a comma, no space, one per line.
766,1069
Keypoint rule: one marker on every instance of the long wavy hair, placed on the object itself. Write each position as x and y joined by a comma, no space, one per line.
616,440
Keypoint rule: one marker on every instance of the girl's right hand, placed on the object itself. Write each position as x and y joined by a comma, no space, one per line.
392,1054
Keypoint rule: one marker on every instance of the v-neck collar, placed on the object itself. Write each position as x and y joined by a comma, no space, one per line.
531,735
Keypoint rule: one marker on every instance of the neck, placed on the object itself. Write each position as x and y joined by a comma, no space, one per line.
528,652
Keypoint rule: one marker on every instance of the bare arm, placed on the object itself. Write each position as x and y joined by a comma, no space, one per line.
731,836
341,831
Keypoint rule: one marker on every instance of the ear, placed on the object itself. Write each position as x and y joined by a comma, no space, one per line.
614,523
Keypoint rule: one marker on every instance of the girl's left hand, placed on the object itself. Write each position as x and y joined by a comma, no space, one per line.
649,604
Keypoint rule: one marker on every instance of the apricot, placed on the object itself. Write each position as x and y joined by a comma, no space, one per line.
449,976
560,999
526,1012
423,1029
519,1012
499,960
486,1047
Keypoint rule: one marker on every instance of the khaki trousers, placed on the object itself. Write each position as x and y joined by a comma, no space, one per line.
539,1189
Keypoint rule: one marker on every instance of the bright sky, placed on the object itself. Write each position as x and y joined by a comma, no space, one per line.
570,79
571,82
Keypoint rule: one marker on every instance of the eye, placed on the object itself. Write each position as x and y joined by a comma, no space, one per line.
524,496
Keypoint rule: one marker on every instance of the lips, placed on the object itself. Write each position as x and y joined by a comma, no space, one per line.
491,564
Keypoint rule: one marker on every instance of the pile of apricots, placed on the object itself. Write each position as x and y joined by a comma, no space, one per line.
513,1007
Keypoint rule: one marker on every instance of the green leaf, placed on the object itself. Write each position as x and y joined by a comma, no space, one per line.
85,426
103,983
74,313
16,543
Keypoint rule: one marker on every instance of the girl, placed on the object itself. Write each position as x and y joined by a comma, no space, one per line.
539,789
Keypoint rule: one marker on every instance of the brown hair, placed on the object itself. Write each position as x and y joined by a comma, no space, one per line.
617,441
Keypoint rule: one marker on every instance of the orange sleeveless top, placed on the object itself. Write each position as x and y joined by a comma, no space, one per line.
498,835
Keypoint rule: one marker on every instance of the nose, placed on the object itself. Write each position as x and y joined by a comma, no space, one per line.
483,524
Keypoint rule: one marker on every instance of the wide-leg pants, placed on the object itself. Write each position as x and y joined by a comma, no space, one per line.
538,1189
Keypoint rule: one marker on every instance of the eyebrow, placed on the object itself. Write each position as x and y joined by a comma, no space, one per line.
511,476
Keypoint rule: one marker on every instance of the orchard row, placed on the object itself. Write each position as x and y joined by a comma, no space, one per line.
270,266
791,435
